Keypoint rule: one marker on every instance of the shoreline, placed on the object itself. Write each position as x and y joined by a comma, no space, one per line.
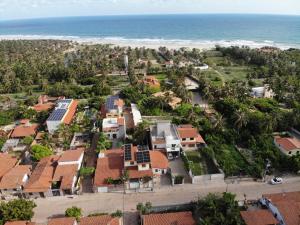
153,43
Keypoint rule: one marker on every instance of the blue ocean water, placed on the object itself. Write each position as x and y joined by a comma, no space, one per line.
204,28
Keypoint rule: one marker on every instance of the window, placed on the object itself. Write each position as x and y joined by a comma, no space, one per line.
183,145
192,138
173,145
156,170
290,152
155,146
144,165
184,139
191,145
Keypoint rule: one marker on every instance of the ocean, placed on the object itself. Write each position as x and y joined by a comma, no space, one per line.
180,30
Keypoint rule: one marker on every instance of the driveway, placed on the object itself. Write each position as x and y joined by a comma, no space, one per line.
177,168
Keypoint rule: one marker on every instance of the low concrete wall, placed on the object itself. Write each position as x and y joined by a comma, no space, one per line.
207,177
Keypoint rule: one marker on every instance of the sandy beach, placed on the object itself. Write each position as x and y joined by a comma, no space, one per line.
151,43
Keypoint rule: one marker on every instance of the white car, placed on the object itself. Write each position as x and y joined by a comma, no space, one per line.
276,180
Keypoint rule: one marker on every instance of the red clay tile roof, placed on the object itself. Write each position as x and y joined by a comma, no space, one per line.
100,220
159,160
188,131
19,223
178,218
71,155
288,144
24,131
41,177
62,221
14,177
65,174
43,107
109,166
288,205
151,81
259,217
71,112
7,162
134,173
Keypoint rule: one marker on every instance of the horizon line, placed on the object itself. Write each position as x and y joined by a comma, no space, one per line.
146,14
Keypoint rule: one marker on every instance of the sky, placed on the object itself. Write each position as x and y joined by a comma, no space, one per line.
20,9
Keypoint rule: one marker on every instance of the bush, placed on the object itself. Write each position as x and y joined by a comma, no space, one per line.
74,212
117,213
27,140
39,152
19,209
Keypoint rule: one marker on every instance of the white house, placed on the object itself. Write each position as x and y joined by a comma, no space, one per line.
62,114
114,128
164,136
136,114
262,92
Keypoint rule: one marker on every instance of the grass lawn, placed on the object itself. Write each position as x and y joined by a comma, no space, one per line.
233,72
161,76
194,157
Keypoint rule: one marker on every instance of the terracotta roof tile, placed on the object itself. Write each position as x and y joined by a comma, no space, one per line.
178,218
71,155
288,205
159,160
109,166
41,177
259,217
288,144
14,178
24,131
43,107
7,162
62,221
65,174
71,112
100,220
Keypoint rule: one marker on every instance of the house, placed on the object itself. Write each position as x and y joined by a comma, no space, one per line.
262,92
101,220
46,103
151,81
63,221
13,181
284,206
132,116
80,140
259,217
62,114
190,138
164,135
114,127
24,129
55,175
7,162
139,165
113,107
40,181
288,145
19,223
178,218
201,67
173,100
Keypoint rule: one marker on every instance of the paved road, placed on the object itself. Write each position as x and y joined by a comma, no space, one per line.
109,202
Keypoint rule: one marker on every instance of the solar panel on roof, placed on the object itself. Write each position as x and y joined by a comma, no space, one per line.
143,147
143,157
57,115
127,151
110,102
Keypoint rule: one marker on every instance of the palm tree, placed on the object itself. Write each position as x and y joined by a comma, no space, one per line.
241,119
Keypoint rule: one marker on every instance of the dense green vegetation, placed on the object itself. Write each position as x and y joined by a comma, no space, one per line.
19,209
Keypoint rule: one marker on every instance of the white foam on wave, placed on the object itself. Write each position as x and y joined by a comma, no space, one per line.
153,43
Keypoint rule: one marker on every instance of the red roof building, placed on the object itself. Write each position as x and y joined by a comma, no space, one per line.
288,145
151,81
178,218
63,221
259,217
24,130
189,137
285,205
19,223
7,162
101,220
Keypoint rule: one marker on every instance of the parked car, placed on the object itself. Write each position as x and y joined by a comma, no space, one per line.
276,180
